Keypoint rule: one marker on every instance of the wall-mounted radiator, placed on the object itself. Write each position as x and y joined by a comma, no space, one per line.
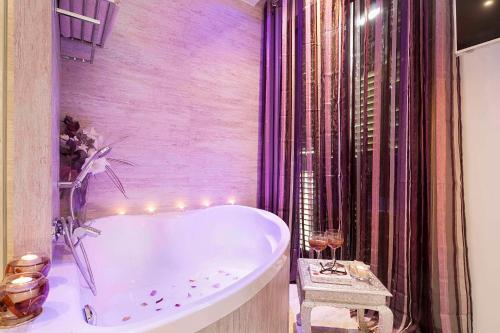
85,25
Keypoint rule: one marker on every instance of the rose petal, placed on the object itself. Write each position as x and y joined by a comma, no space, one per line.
152,293
160,300
159,309
144,304
177,305
193,286
126,318
217,285
189,295
191,280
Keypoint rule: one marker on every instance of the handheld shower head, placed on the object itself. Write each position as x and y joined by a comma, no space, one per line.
103,151
86,167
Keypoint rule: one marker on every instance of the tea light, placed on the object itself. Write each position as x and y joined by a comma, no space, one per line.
29,257
21,280
231,201
22,298
30,262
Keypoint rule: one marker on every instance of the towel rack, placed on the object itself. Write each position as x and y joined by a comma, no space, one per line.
87,23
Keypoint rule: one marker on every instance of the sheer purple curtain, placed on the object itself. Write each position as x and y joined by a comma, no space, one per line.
278,192
361,131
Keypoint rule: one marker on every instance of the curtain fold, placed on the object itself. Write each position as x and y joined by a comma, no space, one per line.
361,131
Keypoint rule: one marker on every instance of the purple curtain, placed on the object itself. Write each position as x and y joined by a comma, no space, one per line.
361,131
280,92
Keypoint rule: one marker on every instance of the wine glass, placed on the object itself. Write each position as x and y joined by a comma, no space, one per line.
318,242
335,239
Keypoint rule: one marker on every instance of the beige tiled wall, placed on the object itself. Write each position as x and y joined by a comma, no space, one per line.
30,109
180,80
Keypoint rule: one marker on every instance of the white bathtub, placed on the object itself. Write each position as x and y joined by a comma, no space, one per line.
168,272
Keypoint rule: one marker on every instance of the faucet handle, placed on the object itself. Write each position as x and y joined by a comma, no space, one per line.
83,231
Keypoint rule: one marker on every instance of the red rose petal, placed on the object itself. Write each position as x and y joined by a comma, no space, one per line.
160,300
144,304
177,305
189,295
152,293
126,318
217,285
159,309
193,286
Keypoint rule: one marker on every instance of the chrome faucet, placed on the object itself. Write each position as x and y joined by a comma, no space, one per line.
77,183
75,231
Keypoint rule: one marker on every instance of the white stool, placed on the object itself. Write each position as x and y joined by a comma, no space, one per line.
359,296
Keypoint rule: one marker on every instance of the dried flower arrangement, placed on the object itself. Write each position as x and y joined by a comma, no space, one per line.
77,145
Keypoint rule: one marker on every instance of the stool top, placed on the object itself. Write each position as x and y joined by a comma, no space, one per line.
374,287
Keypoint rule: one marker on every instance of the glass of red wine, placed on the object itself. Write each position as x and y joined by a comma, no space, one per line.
318,242
335,240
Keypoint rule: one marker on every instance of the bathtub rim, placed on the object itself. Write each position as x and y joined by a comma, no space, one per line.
204,313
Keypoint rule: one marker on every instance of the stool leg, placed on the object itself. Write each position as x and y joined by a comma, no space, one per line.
361,320
385,320
305,317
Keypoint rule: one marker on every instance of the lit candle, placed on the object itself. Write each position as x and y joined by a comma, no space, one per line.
22,279
151,209
121,212
206,203
231,201
29,257
181,205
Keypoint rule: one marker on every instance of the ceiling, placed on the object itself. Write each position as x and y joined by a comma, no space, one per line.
477,22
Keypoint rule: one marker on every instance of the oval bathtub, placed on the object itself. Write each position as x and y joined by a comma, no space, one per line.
220,269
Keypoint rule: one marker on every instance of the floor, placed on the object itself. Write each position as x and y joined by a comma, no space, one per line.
324,319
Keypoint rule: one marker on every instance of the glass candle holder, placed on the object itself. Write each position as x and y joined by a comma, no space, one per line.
21,298
30,262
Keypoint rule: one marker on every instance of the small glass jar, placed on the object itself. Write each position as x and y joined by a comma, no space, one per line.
21,298
30,262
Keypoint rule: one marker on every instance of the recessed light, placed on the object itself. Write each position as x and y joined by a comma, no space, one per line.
151,209
488,3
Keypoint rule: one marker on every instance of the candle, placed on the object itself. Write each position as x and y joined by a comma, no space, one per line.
29,257
22,298
21,280
30,262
